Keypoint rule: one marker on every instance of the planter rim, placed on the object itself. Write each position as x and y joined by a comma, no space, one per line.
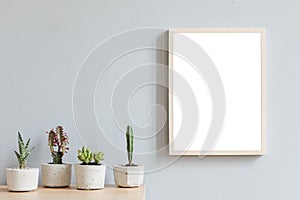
102,165
52,164
18,169
119,165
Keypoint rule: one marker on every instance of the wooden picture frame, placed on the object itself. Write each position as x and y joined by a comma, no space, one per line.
239,57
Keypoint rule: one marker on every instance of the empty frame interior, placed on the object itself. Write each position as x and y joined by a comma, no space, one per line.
238,57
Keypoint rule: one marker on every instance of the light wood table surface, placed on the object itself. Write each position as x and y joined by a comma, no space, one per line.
110,192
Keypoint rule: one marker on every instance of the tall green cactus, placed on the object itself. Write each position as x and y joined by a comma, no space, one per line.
129,138
24,151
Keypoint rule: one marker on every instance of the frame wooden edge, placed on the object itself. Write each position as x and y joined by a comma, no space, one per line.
263,93
218,153
217,30
262,31
170,88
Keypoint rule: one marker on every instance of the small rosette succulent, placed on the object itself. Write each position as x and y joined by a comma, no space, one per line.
86,156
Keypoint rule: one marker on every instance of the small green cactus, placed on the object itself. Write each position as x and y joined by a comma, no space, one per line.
24,151
129,138
86,156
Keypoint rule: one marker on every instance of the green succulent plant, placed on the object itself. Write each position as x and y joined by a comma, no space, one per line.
129,139
24,151
86,156
98,157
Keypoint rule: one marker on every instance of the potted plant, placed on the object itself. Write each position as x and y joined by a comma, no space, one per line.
23,178
90,174
129,175
57,173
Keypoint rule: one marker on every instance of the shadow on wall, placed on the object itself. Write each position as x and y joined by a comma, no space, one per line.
162,79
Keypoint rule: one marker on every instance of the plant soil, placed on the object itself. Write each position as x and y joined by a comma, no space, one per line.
132,165
93,163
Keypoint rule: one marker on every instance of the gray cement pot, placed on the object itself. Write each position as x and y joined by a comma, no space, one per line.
22,180
128,176
56,175
90,177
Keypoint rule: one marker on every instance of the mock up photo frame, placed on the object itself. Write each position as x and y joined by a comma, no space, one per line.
217,91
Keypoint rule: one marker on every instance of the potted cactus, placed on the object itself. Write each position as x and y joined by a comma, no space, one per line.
23,178
129,175
57,173
90,174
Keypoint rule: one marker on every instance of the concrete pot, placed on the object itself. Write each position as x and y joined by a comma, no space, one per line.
128,176
22,180
56,175
90,177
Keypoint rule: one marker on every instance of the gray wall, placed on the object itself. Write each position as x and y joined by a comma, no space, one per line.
44,43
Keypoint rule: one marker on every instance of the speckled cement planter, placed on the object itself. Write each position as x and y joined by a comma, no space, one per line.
90,177
22,180
128,176
56,175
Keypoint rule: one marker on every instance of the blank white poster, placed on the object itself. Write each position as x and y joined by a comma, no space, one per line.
238,58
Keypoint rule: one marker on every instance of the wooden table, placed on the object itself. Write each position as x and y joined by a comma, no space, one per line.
110,192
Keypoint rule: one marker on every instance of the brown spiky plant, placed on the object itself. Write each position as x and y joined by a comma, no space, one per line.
57,141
